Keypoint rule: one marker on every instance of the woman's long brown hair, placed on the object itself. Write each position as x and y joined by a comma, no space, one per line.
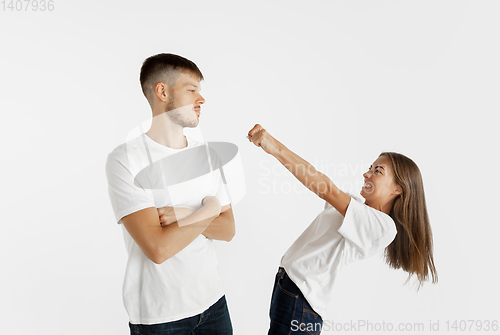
411,249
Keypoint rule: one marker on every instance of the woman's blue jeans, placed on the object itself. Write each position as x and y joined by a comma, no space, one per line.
290,312
214,321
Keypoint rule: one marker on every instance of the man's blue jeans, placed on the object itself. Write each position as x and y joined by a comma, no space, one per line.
214,321
290,312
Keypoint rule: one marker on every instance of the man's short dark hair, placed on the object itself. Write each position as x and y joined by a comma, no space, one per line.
164,68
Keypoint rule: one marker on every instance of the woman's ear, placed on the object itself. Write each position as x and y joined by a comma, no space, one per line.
398,190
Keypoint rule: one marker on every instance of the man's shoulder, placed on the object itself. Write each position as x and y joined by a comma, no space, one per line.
127,150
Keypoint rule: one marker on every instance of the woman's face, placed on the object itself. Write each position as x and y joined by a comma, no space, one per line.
379,187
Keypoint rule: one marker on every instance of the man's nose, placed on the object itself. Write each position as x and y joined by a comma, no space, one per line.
200,100
367,174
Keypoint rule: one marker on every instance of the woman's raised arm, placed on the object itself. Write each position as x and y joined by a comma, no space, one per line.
314,180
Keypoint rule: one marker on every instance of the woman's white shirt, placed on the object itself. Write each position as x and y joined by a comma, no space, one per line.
331,241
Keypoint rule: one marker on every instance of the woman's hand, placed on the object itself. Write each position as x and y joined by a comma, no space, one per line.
261,138
169,215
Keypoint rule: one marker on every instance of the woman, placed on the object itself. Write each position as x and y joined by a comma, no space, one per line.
393,217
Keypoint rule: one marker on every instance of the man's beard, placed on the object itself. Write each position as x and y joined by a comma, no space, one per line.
179,115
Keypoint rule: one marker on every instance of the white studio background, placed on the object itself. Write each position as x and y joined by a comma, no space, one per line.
338,82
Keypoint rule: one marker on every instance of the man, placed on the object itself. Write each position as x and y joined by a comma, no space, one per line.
171,210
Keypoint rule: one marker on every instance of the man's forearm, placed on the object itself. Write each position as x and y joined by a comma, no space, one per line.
222,227
175,237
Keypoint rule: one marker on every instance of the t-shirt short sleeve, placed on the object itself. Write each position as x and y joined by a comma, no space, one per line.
367,229
125,196
221,191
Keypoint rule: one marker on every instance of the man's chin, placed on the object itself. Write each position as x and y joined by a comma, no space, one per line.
191,125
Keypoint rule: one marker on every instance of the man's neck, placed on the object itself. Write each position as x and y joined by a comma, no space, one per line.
167,133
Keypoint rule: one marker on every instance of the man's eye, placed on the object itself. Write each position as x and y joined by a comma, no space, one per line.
378,171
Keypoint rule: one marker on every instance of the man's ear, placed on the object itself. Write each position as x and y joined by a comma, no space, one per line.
161,91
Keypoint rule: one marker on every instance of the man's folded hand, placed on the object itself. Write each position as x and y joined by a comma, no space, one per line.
169,215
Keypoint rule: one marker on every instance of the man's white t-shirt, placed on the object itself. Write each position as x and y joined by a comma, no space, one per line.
188,283
315,258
